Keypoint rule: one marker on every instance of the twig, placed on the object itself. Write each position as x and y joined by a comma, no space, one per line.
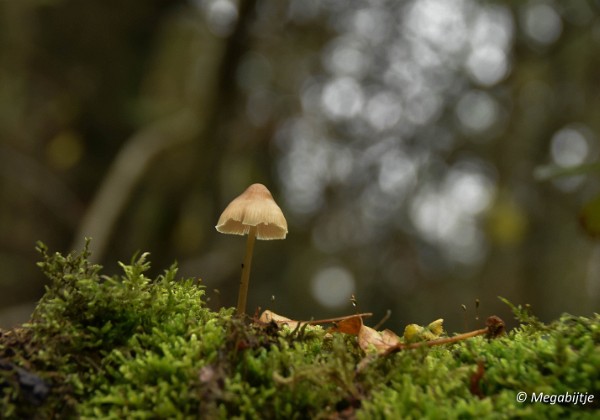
495,327
383,320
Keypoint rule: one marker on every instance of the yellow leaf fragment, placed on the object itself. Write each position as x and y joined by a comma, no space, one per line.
414,333
436,327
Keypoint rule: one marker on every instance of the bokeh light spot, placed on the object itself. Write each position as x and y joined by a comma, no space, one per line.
222,16
342,98
333,286
477,111
541,23
383,111
487,65
569,147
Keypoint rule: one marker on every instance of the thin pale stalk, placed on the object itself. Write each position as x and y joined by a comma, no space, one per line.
243,294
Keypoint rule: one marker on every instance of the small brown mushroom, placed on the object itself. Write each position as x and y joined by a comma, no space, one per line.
256,214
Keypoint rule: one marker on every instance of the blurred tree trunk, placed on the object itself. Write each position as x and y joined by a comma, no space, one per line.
545,267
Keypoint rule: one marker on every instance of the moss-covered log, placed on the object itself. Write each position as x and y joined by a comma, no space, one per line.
133,347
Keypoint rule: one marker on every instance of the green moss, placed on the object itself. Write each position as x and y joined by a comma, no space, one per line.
133,347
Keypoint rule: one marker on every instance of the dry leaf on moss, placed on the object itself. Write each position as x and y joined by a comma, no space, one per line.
382,341
268,316
349,324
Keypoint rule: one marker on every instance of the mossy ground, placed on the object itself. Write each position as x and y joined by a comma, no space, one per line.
134,347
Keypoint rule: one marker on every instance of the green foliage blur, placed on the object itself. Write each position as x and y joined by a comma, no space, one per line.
400,138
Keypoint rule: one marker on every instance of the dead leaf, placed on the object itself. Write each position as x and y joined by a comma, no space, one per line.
270,316
350,325
382,341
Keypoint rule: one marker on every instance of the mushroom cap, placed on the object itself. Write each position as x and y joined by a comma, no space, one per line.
254,207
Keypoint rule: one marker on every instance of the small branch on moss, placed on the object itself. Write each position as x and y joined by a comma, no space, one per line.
383,320
494,328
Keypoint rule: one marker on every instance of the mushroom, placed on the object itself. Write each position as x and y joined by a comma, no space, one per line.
256,214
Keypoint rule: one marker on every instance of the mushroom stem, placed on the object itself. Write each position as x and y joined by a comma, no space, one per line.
243,294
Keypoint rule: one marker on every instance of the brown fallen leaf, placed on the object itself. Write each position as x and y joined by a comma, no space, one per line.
270,316
349,324
382,341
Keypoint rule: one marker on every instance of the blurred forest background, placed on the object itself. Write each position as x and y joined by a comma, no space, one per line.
412,145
